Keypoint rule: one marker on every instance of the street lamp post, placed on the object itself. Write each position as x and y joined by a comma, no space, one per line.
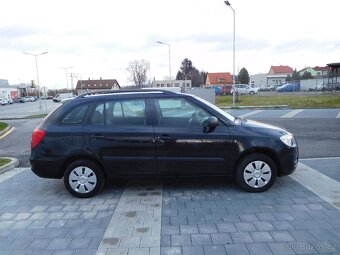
228,4
36,66
66,68
169,58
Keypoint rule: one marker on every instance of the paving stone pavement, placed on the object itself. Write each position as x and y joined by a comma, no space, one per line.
215,217
176,216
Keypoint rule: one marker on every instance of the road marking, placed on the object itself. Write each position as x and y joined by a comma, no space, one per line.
322,185
326,158
338,116
7,133
250,113
135,226
9,174
292,114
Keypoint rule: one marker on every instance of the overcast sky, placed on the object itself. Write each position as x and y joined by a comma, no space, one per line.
99,38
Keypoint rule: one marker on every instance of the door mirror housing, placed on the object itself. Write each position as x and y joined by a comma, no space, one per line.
210,124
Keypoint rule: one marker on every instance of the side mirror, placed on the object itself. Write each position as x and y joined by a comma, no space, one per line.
210,124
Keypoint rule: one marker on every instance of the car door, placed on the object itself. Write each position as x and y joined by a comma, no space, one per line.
120,133
182,146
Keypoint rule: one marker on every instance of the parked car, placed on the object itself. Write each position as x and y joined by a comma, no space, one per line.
3,101
18,100
288,87
95,138
327,86
245,89
29,99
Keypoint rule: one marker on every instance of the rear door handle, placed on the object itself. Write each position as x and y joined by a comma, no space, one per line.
97,136
163,138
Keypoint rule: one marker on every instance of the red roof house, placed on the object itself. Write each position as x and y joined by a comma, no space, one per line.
219,79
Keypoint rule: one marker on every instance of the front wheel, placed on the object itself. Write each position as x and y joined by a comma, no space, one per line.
251,93
256,173
83,178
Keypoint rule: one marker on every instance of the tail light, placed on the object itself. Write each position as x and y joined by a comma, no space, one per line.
37,137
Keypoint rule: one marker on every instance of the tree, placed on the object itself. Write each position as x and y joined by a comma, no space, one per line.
306,75
243,76
295,76
138,72
189,72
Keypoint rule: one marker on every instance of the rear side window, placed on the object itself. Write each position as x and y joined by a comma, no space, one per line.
76,115
120,113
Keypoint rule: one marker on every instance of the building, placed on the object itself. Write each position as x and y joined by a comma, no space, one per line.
258,80
7,91
89,85
218,79
278,75
171,84
316,71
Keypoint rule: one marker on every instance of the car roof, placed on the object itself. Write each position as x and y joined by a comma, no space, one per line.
127,92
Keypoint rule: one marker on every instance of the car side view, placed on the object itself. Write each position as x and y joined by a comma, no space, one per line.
95,138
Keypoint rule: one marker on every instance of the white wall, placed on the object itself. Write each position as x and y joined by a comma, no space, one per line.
309,84
207,94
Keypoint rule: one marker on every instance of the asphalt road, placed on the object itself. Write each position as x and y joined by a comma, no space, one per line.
317,138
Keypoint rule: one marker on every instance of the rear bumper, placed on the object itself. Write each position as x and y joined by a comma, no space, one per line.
47,169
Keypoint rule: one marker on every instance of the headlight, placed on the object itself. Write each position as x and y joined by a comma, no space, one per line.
289,140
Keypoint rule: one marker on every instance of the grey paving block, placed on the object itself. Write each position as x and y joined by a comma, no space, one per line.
221,238
188,229
244,226
180,240
193,250
281,236
265,216
215,249
201,239
171,251
170,230
80,243
259,248
302,235
282,225
281,248
241,237
236,249
207,228
59,243
226,227
261,237
165,240
39,244
178,220
322,234
263,225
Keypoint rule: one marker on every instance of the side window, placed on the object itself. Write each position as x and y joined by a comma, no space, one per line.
177,112
125,113
75,116
98,115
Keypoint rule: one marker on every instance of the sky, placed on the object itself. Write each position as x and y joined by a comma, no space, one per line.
100,38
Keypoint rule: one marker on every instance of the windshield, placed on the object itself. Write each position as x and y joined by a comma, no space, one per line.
224,113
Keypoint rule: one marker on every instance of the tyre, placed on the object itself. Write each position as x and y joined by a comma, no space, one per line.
83,178
251,93
255,173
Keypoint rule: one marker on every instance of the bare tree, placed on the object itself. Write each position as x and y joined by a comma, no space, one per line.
138,72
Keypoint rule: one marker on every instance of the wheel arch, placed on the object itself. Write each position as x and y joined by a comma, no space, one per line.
76,157
266,151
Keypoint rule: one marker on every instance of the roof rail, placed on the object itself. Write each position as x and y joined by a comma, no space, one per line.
125,91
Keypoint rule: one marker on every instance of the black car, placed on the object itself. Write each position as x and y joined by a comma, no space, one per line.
94,138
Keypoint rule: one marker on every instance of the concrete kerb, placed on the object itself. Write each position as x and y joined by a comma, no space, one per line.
5,130
9,166
256,107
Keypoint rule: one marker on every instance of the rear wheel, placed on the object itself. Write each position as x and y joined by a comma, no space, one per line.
83,178
251,93
256,173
